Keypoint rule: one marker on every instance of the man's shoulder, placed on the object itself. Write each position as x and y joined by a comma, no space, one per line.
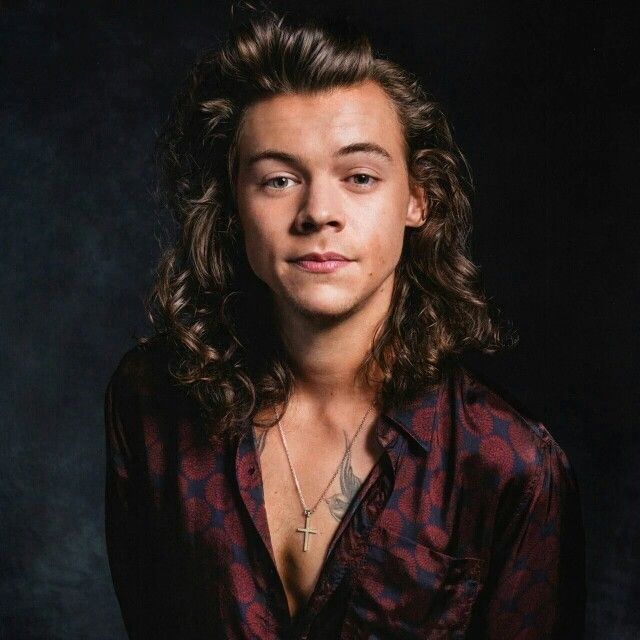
497,427
496,405
145,368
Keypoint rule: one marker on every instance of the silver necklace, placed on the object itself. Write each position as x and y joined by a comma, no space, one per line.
307,530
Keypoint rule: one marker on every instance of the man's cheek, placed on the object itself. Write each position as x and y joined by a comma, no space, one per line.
386,250
255,254
377,258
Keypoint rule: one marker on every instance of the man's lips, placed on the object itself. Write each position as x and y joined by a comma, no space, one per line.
322,257
322,262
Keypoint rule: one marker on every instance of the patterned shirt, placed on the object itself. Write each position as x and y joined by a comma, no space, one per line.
468,526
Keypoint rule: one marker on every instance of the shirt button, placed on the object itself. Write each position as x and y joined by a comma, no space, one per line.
251,470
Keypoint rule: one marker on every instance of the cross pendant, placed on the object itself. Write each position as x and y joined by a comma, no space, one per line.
306,530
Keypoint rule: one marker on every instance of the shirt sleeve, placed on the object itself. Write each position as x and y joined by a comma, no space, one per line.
536,582
127,524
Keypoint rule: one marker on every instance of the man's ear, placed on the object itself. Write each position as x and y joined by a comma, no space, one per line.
417,209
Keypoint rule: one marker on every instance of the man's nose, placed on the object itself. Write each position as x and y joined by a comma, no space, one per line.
321,205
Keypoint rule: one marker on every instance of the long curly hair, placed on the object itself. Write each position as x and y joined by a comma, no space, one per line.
218,316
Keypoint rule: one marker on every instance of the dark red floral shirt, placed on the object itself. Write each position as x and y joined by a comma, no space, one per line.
469,525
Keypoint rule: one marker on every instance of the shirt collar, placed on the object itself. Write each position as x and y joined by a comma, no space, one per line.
417,418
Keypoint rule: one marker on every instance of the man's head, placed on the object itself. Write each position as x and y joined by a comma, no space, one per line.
296,139
325,172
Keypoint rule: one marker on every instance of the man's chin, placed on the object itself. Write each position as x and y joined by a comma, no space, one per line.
323,314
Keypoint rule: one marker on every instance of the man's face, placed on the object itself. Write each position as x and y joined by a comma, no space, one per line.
325,173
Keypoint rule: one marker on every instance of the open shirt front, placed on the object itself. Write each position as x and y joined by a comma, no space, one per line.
468,526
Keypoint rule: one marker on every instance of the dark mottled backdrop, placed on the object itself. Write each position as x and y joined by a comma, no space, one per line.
540,97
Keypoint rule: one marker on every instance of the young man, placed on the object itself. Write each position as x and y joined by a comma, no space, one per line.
297,452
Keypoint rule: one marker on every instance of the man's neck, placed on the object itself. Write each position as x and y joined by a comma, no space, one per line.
327,360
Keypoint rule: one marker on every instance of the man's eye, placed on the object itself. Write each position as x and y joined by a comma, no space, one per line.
279,182
363,179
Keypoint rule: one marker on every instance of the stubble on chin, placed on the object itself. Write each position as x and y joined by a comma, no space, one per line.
321,318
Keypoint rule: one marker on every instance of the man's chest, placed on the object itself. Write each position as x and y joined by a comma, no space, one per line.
386,556
329,479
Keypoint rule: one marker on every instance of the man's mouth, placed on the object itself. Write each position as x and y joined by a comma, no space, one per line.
322,262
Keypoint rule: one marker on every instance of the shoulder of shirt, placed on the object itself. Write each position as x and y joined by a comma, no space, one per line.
491,415
144,369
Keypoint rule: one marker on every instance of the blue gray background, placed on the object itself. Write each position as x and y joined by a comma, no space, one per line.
540,97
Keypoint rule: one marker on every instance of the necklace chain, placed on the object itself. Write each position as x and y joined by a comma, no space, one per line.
308,511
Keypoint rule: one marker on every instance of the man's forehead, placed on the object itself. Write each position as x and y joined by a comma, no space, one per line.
333,117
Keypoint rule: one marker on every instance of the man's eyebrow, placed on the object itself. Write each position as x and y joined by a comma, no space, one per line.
365,147
357,147
274,154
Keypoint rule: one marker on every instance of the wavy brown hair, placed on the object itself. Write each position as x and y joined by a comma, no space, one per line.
218,316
